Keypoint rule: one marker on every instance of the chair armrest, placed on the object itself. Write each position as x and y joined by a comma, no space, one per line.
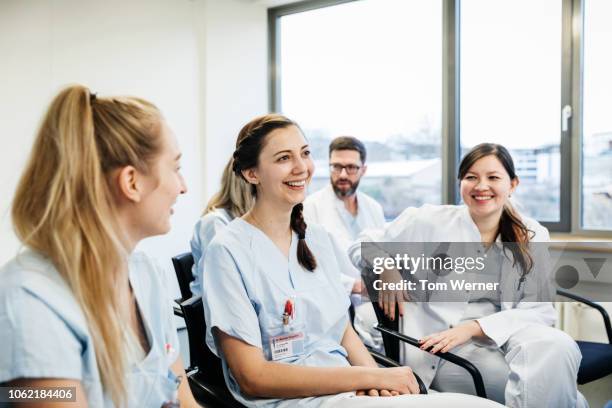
177,311
590,303
460,361
389,362
211,395
382,359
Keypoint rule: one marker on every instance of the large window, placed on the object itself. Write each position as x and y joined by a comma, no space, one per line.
369,69
597,117
423,81
510,92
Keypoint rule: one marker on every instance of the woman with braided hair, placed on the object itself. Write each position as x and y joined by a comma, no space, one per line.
273,299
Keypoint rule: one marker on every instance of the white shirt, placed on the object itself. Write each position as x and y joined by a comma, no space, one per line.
325,208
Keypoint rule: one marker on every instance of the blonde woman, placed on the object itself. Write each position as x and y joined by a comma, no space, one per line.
77,308
233,200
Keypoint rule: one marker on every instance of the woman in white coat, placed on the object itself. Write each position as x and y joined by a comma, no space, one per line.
511,343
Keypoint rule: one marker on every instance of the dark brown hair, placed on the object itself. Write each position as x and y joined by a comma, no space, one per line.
512,230
348,143
251,140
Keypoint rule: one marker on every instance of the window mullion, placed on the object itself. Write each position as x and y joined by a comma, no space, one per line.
450,101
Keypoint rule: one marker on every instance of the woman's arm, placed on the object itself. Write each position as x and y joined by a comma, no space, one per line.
184,392
261,378
358,354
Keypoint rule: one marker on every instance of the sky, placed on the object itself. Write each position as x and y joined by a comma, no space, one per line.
373,69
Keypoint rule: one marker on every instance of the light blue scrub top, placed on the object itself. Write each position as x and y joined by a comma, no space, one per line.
205,230
247,281
351,221
44,334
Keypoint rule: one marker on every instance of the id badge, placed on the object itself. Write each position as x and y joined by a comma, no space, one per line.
287,345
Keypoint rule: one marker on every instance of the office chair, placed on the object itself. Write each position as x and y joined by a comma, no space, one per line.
596,357
182,267
205,372
392,337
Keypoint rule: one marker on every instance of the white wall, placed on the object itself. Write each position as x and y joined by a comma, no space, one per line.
203,62
236,78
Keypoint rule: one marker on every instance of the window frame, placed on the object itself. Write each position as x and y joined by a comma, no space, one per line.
570,219
577,7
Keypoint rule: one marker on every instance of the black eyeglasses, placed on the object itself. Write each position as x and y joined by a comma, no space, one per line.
351,169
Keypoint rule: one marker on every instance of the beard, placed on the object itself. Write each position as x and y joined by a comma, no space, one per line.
343,192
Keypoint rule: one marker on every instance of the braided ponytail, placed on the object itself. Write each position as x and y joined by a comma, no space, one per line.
305,257
251,140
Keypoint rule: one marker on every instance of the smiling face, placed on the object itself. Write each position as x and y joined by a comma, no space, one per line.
160,188
284,167
343,183
486,187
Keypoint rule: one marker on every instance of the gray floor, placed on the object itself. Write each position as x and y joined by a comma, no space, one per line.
597,393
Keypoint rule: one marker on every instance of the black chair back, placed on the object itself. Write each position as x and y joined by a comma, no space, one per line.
182,266
200,355
392,344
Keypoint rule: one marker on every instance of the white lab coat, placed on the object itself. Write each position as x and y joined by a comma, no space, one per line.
324,208
448,223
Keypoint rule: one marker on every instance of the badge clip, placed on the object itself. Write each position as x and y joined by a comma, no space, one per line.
288,312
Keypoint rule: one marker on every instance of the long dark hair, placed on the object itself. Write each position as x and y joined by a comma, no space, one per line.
514,233
249,144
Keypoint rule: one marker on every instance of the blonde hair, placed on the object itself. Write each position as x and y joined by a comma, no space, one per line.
234,196
64,206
